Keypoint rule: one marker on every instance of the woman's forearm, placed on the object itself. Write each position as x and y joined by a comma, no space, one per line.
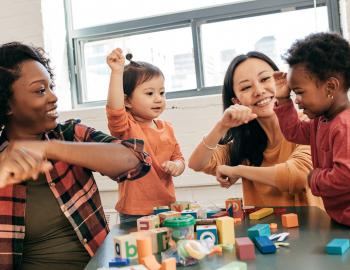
203,152
263,175
110,159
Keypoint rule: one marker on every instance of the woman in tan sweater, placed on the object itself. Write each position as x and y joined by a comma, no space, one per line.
247,142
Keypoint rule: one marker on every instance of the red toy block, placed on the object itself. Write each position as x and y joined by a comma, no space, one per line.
245,248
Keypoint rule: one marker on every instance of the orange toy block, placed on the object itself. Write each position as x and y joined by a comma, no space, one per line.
168,264
290,220
144,247
150,262
148,222
273,226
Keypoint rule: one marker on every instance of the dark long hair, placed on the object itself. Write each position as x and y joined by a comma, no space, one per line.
249,140
12,55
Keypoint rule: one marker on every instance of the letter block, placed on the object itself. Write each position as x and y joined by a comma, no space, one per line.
207,231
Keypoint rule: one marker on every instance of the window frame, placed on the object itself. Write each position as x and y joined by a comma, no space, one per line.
76,38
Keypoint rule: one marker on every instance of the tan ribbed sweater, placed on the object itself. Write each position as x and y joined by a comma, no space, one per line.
292,163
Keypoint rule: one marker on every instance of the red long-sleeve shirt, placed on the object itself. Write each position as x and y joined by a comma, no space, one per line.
330,150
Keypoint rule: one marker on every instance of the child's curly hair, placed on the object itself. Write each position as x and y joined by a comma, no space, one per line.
12,55
323,54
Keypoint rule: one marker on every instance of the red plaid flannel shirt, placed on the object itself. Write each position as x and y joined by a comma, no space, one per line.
74,188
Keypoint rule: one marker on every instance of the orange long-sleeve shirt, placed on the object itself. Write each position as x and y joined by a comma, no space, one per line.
156,188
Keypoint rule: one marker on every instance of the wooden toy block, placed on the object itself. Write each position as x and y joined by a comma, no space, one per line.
125,246
150,262
259,230
216,250
148,222
245,248
160,209
234,266
226,231
164,215
117,262
290,220
205,221
261,213
168,264
219,214
207,231
160,239
338,246
273,226
179,206
264,244
133,267
194,206
234,207
193,213
144,247
212,212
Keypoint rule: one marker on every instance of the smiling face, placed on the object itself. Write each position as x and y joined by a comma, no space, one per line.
311,96
254,86
33,103
147,101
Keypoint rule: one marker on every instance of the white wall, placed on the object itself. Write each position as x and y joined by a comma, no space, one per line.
22,20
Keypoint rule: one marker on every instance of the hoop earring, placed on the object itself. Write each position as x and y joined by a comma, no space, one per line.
330,96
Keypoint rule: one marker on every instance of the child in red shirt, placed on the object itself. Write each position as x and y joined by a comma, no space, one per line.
319,75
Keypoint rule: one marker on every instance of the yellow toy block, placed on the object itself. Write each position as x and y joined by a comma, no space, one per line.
261,213
226,230
148,222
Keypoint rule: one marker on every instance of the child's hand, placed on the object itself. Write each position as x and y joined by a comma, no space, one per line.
173,167
225,176
282,89
19,164
116,60
236,115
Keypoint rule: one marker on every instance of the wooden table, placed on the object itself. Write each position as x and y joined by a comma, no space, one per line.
306,251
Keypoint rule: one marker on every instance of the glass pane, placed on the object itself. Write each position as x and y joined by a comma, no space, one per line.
271,34
87,13
175,59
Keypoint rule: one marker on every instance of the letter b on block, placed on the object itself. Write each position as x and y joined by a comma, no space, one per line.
131,250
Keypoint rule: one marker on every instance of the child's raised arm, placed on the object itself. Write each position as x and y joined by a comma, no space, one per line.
115,61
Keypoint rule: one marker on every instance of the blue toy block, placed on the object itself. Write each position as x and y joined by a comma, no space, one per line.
207,231
338,246
193,213
264,244
259,230
116,262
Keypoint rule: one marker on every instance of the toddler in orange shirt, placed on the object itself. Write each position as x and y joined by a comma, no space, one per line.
136,98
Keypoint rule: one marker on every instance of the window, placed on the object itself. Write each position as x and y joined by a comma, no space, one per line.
192,42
